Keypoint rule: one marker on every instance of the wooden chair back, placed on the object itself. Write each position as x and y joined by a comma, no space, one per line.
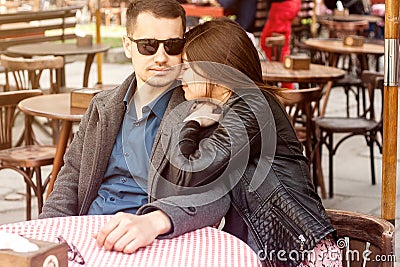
26,72
276,42
373,82
8,107
301,106
360,233
339,29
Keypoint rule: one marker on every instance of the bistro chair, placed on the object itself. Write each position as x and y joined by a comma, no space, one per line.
276,42
26,159
360,233
351,83
28,71
302,108
26,74
368,124
339,29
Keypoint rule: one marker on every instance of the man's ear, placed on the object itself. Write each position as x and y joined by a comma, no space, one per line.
127,46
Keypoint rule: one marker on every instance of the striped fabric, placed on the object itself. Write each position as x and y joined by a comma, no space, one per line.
204,247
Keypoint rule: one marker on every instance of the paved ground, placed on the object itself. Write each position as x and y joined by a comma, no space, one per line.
352,183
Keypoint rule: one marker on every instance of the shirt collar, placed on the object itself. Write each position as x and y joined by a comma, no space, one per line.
130,92
158,105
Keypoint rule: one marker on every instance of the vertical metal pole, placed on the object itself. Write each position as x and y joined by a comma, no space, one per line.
98,41
390,107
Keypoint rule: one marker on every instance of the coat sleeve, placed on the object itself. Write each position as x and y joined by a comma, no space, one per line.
197,163
63,200
196,160
184,213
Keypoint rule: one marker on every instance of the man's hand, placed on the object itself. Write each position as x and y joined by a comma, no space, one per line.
206,113
128,232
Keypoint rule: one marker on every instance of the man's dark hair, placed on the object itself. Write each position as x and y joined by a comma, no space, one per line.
169,9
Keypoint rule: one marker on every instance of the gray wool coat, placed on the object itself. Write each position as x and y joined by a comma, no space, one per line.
87,158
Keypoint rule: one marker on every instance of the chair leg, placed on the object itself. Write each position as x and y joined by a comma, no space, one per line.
347,91
39,189
318,174
371,149
364,101
330,150
28,202
357,95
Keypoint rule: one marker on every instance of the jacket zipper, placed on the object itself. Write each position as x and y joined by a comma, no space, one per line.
294,228
249,226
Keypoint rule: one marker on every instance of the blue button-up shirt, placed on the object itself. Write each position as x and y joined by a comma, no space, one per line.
124,187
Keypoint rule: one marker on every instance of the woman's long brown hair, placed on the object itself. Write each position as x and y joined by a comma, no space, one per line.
224,41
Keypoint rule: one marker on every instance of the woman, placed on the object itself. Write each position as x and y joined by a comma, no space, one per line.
252,153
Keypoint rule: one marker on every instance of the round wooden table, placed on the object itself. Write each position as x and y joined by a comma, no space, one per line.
351,17
322,75
54,106
203,247
61,49
336,48
275,72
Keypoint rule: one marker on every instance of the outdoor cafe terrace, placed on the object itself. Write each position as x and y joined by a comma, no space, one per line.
349,188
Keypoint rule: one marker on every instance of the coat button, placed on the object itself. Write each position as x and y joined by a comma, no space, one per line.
112,199
123,180
192,209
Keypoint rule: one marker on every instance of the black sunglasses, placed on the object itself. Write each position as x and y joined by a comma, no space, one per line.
147,47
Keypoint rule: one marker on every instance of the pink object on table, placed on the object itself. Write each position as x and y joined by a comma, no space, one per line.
203,247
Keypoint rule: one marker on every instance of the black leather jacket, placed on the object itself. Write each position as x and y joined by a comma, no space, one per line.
283,214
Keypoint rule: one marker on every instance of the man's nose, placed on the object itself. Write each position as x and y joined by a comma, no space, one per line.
161,56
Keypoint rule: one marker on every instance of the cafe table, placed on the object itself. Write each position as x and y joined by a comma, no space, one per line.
336,48
203,247
54,106
321,75
351,17
61,49
274,71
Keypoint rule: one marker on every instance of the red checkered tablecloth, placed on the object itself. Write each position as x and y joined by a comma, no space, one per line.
204,247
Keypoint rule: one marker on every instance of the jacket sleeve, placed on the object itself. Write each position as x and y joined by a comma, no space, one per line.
186,215
63,200
196,161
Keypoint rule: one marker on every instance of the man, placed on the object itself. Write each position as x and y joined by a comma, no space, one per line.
107,165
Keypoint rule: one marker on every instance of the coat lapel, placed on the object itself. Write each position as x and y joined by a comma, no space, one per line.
158,153
111,113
